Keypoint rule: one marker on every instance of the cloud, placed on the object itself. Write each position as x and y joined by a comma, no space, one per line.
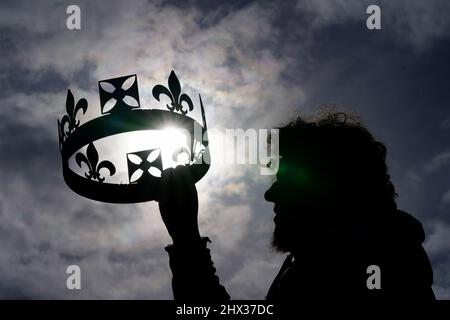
439,240
438,162
446,197
445,124
253,279
438,246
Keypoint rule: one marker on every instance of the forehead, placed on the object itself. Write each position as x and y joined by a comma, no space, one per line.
283,166
293,168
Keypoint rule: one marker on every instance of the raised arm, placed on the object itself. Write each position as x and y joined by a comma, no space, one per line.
194,277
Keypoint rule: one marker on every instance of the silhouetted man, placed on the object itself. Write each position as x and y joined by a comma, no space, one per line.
335,214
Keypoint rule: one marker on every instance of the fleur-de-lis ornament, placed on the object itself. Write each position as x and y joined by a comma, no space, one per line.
173,92
72,110
91,161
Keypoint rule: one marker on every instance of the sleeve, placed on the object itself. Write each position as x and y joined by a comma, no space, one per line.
194,276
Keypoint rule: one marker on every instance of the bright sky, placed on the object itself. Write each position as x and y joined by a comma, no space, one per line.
257,64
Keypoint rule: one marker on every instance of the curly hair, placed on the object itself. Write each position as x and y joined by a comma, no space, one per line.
340,149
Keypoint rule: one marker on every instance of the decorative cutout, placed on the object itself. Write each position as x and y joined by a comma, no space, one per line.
91,161
119,94
184,156
144,165
173,92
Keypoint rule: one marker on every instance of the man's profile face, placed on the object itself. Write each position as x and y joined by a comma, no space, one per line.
296,200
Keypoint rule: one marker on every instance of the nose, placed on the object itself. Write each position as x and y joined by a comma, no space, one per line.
269,195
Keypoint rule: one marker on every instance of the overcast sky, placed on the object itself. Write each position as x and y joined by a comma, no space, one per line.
256,64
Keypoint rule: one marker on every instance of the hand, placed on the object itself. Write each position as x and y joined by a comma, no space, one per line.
178,204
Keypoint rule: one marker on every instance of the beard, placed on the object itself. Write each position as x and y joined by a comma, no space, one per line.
282,239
